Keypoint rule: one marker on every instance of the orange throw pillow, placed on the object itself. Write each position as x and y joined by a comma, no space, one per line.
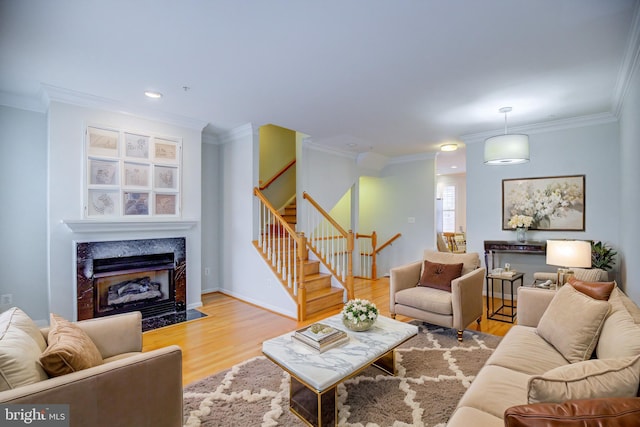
596,290
439,276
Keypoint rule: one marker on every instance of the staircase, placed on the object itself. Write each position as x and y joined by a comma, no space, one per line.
310,289
319,295
290,214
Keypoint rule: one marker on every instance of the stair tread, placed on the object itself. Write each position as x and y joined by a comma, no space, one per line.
323,292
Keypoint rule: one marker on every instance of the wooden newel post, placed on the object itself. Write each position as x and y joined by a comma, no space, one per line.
350,246
374,267
301,256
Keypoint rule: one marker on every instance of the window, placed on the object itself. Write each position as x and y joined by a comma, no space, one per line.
449,209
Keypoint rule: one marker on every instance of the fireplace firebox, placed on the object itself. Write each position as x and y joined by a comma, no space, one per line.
131,275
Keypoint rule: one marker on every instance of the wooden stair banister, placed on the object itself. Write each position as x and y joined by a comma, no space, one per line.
286,252
277,175
332,244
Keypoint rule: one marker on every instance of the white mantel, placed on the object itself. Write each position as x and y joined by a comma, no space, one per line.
95,226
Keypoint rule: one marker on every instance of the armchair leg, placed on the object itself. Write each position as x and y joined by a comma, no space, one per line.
393,315
460,336
478,320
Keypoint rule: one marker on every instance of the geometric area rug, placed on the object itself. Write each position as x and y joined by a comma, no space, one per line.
434,370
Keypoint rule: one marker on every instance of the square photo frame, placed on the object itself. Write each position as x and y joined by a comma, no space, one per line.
166,204
165,151
103,172
102,142
136,146
165,177
136,174
103,203
135,203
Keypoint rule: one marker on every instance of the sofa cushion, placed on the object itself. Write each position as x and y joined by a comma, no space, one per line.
439,276
572,323
596,378
523,340
426,299
620,336
612,412
70,349
19,350
495,389
596,290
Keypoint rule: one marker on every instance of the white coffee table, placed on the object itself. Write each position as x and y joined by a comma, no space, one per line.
315,376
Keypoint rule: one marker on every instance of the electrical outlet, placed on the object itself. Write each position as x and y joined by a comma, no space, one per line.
207,271
411,220
6,299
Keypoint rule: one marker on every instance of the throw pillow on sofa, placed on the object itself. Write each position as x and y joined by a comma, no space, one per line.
596,290
439,276
615,412
620,336
590,379
572,323
19,350
70,349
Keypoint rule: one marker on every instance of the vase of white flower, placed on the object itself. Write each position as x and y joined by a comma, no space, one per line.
359,314
520,223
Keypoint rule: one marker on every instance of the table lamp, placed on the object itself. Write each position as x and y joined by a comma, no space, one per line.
567,254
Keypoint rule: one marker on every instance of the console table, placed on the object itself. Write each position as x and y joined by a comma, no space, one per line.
504,246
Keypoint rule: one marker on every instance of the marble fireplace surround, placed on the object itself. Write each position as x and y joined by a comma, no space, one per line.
87,252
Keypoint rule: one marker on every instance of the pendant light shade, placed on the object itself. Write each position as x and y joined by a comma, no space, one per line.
507,149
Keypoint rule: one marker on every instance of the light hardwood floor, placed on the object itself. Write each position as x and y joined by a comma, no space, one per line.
233,330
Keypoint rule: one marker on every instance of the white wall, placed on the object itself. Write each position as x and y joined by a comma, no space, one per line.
23,247
589,150
244,274
405,189
211,217
66,127
629,187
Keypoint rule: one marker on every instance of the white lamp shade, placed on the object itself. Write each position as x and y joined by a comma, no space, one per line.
506,149
569,253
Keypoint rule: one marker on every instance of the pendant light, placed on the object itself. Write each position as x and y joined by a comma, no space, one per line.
507,149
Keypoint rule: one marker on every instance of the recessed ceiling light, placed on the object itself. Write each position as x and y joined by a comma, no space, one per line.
454,167
152,94
449,147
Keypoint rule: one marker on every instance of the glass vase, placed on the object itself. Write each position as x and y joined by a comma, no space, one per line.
521,234
358,325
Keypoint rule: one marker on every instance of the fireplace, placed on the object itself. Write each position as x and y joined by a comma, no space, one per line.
131,275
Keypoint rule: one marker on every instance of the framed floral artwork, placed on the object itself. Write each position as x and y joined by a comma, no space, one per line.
555,203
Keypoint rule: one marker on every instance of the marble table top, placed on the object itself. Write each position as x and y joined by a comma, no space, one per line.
324,370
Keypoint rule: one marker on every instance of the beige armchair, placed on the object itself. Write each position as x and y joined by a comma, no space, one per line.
130,388
455,309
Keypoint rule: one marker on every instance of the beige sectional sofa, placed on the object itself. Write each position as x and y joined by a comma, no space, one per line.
566,346
126,387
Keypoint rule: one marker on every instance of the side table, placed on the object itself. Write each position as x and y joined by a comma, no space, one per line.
506,312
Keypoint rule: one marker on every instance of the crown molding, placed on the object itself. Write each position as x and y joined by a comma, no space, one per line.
630,64
551,126
412,158
240,132
67,96
23,102
308,143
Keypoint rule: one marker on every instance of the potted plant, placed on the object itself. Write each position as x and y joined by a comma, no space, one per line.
602,256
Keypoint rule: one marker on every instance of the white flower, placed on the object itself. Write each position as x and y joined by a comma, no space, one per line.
360,310
517,221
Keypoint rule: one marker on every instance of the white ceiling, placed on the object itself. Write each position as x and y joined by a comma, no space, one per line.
393,77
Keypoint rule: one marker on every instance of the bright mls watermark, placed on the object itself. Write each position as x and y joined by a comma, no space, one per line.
34,415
